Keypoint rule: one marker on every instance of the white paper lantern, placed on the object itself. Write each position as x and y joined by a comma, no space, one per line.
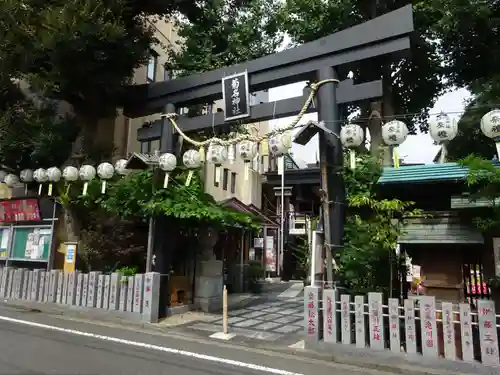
280,144
351,135
87,173
40,175
218,154
191,159
70,174
442,128
26,175
120,167
247,150
167,163
394,132
11,180
490,124
53,174
3,174
105,171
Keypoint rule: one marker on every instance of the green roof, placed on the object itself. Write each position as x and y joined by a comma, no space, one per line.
423,173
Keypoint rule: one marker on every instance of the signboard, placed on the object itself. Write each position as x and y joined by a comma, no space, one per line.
19,210
270,260
235,94
70,253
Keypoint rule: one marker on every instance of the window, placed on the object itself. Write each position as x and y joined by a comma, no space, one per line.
225,177
166,74
145,147
151,74
233,182
216,172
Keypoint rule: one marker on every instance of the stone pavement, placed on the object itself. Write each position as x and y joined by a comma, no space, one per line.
275,317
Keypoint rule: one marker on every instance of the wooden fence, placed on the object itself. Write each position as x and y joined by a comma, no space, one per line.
419,325
136,296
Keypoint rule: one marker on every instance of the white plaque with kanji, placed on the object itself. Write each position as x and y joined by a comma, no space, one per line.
429,326
410,328
488,337
376,321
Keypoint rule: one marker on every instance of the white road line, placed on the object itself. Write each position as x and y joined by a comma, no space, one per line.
184,353
293,291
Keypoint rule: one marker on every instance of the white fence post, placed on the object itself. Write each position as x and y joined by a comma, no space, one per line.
100,291
122,304
410,326
105,295
35,285
41,286
79,289
345,318
92,292
151,304
60,287
466,333
394,325
114,292
85,290
72,284
138,287
488,337
311,314
329,316
450,351
130,293
359,321
376,321
429,326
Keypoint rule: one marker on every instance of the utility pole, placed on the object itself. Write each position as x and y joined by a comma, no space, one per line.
331,164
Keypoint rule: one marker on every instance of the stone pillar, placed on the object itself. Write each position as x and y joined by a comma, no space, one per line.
35,285
209,278
100,291
114,290
312,315
151,303
72,283
130,293
4,282
92,291
41,286
138,288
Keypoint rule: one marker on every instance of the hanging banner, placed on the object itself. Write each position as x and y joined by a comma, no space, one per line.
235,94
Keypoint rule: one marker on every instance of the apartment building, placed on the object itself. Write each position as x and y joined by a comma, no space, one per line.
232,182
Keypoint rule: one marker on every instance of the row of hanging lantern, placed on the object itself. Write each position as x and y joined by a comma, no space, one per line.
52,175
218,154
442,129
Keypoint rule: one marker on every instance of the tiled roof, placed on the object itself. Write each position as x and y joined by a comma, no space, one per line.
423,173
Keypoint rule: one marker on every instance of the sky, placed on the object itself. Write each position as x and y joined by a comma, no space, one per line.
416,149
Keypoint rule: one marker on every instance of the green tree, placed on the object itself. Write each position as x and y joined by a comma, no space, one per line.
372,228
225,33
470,139
410,85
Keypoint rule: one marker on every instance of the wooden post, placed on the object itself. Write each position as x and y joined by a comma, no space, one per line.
224,311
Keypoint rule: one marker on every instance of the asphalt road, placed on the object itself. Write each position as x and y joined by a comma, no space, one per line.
32,343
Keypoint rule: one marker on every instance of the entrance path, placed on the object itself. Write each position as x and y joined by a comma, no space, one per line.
275,319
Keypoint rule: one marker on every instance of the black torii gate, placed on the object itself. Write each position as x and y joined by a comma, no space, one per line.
314,61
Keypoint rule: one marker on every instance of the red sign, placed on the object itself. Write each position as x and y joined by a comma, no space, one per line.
19,210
